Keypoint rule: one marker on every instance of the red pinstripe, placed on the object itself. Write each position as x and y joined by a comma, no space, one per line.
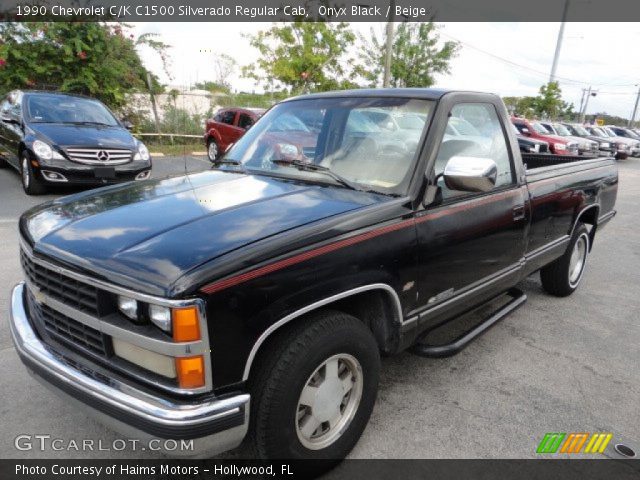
331,247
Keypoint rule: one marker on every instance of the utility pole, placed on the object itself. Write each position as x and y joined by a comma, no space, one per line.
584,90
556,56
590,94
635,110
388,54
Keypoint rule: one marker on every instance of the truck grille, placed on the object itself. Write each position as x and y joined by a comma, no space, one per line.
64,289
99,156
67,330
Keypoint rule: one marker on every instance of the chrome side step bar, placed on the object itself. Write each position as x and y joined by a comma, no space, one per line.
425,350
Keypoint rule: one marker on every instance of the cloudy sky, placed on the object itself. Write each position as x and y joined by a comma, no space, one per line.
504,58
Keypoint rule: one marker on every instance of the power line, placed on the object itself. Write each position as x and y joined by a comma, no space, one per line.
533,70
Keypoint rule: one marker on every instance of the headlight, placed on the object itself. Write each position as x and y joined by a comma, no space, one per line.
183,324
559,146
128,306
161,317
604,145
44,151
143,152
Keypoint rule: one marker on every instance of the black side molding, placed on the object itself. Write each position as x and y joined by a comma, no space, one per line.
449,349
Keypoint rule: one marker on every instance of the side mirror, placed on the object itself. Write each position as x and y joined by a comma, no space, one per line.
525,131
127,124
470,174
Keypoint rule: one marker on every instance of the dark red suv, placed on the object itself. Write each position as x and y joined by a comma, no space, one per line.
226,127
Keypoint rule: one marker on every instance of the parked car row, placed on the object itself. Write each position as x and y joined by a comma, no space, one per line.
562,138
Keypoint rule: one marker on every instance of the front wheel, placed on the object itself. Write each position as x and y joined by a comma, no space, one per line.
213,152
31,184
562,277
315,389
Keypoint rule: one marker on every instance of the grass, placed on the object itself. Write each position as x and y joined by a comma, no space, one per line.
177,150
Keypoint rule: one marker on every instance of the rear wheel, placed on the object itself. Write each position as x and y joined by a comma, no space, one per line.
213,152
562,277
314,389
31,184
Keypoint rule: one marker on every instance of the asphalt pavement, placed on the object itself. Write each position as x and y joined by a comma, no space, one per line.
554,365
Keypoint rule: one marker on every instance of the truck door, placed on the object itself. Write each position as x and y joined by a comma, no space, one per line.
471,245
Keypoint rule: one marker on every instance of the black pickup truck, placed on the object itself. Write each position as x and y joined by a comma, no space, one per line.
253,301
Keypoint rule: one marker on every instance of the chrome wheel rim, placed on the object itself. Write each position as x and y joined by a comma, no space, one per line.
578,259
212,151
25,173
329,401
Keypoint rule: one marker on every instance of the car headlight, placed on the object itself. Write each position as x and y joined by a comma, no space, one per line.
128,306
45,152
161,317
559,146
142,153
604,145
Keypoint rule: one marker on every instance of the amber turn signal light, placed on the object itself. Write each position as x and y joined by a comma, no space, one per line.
190,371
186,327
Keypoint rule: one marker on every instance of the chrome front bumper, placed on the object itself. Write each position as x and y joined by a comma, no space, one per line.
214,425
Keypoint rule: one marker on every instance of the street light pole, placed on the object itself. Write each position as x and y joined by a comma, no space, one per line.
388,55
556,56
635,110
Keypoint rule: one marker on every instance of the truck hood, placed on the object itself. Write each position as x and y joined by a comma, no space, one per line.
84,135
147,235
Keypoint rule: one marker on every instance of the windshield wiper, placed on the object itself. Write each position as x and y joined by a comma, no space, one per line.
91,123
312,167
231,161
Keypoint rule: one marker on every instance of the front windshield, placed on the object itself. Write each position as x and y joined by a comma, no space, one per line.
610,132
561,130
539,128
339,134
51,108
581,130
598,132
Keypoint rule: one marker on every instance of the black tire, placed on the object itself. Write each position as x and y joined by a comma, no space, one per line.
286,368
32,184
562,277
213,150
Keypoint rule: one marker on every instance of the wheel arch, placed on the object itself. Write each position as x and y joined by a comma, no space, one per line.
588,215
351,301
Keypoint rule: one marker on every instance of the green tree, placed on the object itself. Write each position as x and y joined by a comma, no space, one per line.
95,59
416,56
549,100
303,56
547,104
521,106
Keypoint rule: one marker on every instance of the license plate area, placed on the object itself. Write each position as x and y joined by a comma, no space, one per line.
105,172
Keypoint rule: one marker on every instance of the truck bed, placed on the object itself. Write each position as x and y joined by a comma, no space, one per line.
540,160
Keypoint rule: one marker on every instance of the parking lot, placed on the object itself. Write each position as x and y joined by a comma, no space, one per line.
555,365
